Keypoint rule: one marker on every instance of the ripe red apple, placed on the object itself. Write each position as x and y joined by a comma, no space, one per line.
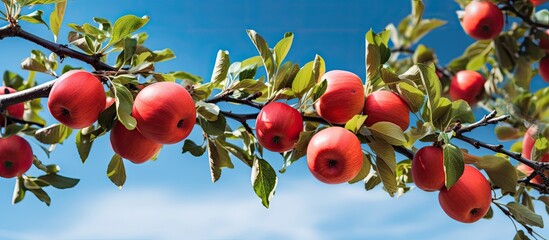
165,112
428,168
343,99
537,2
527,146
15,156
278,126
544,42
544,68
482,20
387,107
15,110
334,155
109,102
467,85
468,200
76,99
131,145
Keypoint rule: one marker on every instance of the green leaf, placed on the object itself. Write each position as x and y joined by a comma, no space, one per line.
300,149
208,111
238,152
355,123
506,51
116,171
59,181
219,158
425,26
250,86
423,55
524,215
34,17
41,195
214,128
308,75
417,10
371,181
385,165
373,62
221,67
83,144
126,25
388,132
56,18
541,147
501,172
264,180
521,236
282,48
193,148
124,104
411,95
18,191
364,170
319,89
163,55
53,134
541,16
489,214
264,52
453,164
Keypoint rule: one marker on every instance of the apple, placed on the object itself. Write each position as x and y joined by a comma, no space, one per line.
15,156
544,42
428,168
386,106
165,112
482,20
15,110
334,155
278,126
468,200
527,146
343,99
544,68
131,145
109,102
76,99
467,85
537,2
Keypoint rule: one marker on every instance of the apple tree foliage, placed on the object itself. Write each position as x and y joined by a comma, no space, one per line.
395,60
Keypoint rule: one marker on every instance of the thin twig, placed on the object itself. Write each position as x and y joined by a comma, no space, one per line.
507,6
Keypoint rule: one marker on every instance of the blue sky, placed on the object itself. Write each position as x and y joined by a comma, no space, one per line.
174,197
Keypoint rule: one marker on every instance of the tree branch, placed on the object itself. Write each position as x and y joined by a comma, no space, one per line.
507,6
226,97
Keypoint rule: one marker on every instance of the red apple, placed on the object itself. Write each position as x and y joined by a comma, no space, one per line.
278,126
334,155
467,85
527,146
76,99
165,112
343,99
428,168
468,200
15,110
15,156
109,102
385,106
544,42
544,68
482,20
537,2
131,145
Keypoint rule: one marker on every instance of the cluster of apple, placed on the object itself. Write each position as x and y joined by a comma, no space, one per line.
527,146
468,200
164,111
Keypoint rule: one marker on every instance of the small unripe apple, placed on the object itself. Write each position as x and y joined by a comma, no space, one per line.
386,106
15,110
165,112
343,99
278,126
527,146
544,68
428,168
482,20
467,85
15,156
468,200
76,99
131,145
334,155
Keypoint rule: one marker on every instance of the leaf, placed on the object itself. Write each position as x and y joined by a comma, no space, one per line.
83,145
355,123
53,134
34,17
56,18
116,171
264,180
221,67
18,191
541,147
424,27
193,148
282,48
524,215
371,181
417,10
264,52
308,75
126,25
300,149
59,181
389,132
208,111
411,95
520,236
453,164
124,104
501,172
219,158
385,165
214,128
41,195
506,132
373,61
364,170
